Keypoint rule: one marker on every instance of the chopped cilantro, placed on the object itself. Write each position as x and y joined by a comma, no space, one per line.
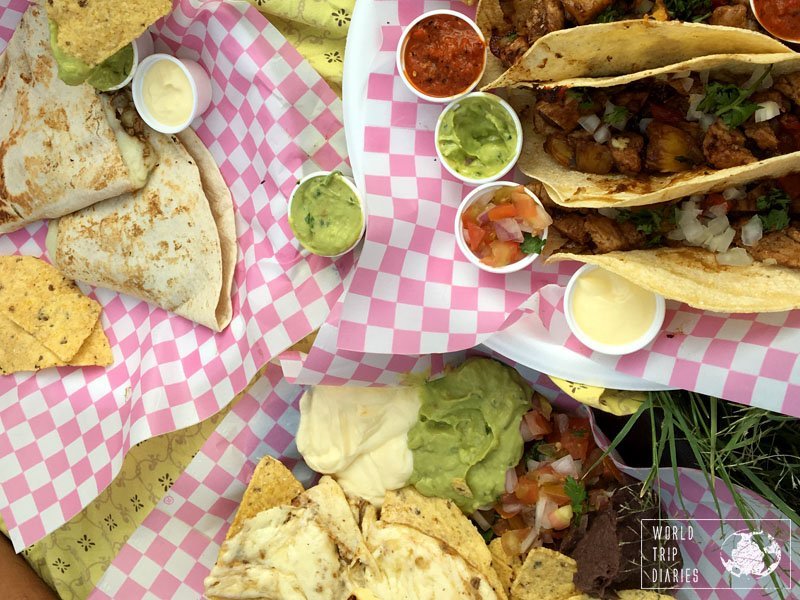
773,210
488,535
309,220
617,116
581,96
729,101
532,451
688,10
609,15
577,496
531,244
647,221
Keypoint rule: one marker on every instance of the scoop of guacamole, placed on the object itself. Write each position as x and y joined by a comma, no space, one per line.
73,71
477,137
326,215
467,435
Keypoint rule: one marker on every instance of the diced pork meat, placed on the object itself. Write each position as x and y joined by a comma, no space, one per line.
508,46
585,11
780,246
772,95
562,112
724,148
535,18
762,134
572,226
626,150
605,234
789,86
730,16
633,100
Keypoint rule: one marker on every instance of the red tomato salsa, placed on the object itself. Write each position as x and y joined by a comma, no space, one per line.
443,56
504,226
779,17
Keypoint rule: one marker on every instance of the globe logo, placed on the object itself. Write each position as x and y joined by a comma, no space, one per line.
744,548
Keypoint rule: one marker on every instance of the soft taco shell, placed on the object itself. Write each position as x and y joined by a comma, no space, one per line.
621,48
693,276
573,188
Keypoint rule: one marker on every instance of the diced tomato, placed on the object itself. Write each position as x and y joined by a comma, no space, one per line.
577,438
791,185
525,205
503,253
502,211
555,492
475,236
500,527
714,200
666,114
507,500
517,522
537,424
527,490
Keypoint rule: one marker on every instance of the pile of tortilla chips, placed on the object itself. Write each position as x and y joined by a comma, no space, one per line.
45,320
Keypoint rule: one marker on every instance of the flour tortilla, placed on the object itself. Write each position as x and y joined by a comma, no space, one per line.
569,187
620,48
693,276
172,243
61,147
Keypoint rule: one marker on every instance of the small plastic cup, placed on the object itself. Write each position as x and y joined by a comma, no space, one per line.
469,200
795,39
361,204
614,350
400,56
517,150
199,82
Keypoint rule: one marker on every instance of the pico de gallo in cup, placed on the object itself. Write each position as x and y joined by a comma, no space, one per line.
441,55
560,479
501,227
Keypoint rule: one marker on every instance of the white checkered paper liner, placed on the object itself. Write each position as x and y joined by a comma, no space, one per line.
64,432
171,553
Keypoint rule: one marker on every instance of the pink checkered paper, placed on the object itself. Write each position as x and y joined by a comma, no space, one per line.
170,554
64,432
413,292
751,359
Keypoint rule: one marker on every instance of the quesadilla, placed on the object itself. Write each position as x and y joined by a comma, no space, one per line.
62,148
736,250
658,135
592,31
172,243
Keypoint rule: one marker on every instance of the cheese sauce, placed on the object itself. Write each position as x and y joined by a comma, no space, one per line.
610,309
167,93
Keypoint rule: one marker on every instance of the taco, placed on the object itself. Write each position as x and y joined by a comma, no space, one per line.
735,250
642,139
513,27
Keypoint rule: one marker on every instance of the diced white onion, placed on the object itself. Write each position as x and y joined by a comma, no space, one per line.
693,114
735,257
733,193
622,122
767,110
532,465
611,213
757,73
602,135
480,520
752,231
718,225
704,77
686,83
644,124
525,431
512,508
770,261
718,210
721,242
691,204
529,539
696,234
589,122
707,121
562,422
565,466
766,83
511,480
676,234
680,74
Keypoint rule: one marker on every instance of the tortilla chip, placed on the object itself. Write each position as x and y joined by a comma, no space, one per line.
20,351
506,566
642,595
545,575
272,484
443,520
96,351
46,305
93,30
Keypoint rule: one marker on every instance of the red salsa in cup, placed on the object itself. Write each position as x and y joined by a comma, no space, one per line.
780,17
443,56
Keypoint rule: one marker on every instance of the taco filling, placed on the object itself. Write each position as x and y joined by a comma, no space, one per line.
671,123
758,222
525,21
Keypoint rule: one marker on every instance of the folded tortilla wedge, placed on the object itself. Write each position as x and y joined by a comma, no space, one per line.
600,49
61,147
172,243
570,187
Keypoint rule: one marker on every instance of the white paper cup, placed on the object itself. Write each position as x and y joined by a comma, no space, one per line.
361,203
400,57
468,201
615,350
199,82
